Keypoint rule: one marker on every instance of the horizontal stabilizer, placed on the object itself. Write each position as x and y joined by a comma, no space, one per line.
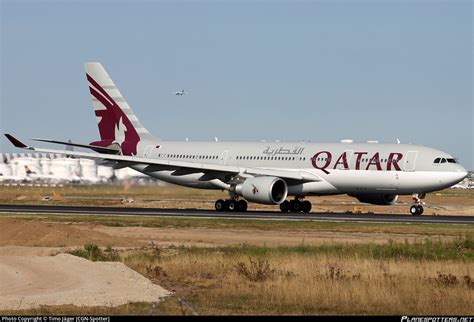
99,149
17,143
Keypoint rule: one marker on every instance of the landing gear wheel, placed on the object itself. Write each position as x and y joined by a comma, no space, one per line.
306,206
420,209
220,205
416,210
285,206
242,206
295,205
232,205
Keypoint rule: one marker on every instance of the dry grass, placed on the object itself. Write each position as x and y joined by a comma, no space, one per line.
397,279
281,281
323,284
423,230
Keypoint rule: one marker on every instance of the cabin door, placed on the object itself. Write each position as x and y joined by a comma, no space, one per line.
410,160
223,159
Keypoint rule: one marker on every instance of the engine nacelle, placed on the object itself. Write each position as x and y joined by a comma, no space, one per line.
266,190
377,199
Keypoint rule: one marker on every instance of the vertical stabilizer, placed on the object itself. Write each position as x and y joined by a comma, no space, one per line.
117,123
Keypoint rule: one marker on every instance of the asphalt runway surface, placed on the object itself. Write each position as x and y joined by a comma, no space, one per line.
262,215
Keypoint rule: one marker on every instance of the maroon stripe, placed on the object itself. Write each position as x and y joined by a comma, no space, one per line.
108,117
107,103
96,85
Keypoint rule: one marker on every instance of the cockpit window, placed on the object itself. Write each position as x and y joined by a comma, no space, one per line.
444,160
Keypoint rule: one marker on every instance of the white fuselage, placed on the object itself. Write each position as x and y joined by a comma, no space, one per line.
343,168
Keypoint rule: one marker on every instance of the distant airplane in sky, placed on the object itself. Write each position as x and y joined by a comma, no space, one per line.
179,93
262,172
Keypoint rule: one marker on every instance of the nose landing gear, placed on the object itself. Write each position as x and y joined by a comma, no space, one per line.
417,208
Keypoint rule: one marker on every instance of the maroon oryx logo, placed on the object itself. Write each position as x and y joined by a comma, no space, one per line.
254,189
114,125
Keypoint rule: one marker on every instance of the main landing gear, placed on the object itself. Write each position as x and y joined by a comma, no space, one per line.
417,208
231,205
295,205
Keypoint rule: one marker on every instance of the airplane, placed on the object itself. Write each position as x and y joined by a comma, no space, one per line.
28,171
261,172
27,176
34,174
179,93
13,178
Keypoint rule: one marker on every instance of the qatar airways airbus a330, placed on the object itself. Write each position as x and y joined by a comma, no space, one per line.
262,172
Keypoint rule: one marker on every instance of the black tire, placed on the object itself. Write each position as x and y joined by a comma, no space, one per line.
242,206
295,205
420,210
414,210
306,206
285,206
232,205
220,205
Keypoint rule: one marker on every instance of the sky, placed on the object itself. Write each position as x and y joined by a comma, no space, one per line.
319,71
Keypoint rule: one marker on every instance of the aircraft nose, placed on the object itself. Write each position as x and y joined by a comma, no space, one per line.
459,174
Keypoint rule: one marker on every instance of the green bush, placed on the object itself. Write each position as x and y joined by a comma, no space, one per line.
461,248
93,253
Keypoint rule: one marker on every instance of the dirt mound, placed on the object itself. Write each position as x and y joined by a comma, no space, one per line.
37,233
29,251
28,282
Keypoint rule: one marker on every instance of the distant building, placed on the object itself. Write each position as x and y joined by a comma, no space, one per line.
53,168
467,183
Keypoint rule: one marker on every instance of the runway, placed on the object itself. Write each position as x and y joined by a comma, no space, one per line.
259,215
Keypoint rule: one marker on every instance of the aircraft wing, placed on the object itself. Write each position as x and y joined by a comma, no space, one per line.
180,167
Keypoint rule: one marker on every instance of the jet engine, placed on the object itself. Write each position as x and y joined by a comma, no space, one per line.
266,190
377,199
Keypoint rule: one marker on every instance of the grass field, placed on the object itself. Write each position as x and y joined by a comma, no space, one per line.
423,230
429,270
396,279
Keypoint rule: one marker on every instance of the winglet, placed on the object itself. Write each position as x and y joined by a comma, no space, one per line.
17,143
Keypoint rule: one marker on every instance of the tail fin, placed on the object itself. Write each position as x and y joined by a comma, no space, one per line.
28,170
117,123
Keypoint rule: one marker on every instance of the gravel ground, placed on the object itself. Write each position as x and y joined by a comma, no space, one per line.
31,281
